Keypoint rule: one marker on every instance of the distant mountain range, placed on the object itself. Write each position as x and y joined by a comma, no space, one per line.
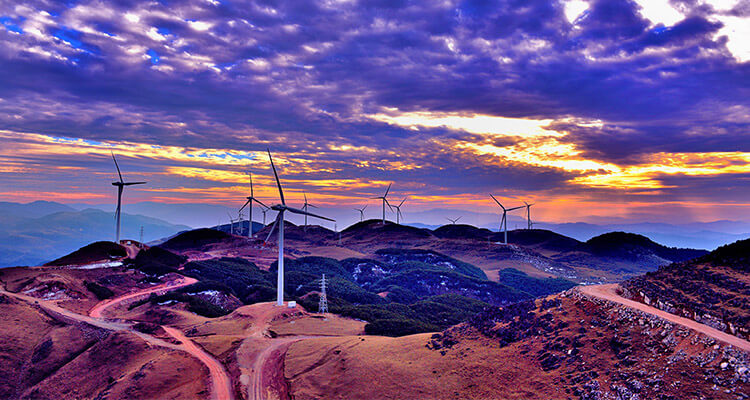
29,234
34,233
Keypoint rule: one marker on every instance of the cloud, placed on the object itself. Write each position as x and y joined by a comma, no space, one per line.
374,91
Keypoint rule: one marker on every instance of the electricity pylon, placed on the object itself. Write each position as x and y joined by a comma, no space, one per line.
323,303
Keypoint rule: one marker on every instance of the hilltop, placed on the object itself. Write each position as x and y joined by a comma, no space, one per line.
609,257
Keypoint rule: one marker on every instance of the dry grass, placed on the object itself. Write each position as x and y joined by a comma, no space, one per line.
373,367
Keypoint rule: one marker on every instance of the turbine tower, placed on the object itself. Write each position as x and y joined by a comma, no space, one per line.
120,187
528,214
231,224
282,208
323,303
264,210
249,202
361,213
453,221
305,207
385,200
398,211
504,220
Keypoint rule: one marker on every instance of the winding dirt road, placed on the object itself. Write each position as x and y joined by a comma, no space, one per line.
222,384
98,310
260,357
608,292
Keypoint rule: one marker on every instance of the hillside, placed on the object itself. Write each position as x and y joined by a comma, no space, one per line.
193,317
36,240
567,347
712,289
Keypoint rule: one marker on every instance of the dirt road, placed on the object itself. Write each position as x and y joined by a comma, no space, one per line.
607,292
222,384
98,310
260,357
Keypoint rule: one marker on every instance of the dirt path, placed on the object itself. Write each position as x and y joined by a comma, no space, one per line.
261,358
222,384
607,292
98,310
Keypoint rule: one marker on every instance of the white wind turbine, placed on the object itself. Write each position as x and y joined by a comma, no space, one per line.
453,221
504,220
250,200
361,213
384,197
305,207
282,208
264,210
231,223
398,211
120,187
528,214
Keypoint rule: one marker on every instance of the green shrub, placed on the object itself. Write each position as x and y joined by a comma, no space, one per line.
316,266
156,261
98,290
243,277
534,286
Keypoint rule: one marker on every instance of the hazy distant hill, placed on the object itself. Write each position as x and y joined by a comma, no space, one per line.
28,236
34,209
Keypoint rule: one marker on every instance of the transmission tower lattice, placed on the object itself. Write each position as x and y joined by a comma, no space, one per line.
323,304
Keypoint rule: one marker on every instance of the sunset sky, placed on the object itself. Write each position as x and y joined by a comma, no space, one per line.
602,108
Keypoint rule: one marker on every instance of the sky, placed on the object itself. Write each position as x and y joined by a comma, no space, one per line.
631,110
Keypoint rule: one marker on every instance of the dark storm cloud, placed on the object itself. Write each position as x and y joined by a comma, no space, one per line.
299,75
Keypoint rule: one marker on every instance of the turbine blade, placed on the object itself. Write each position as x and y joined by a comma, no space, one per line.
275,222
363,208
515,208
303,212
402,202
388,189
278,183
116,166
246,203
133,183
252,194
310,205
498,203
458,218
259,202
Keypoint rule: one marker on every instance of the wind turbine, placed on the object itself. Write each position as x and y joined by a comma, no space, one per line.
453,221
398,210
264,210
120,187
305,208
282,208
385,200
249,202
361,213
528,214
504,220
231,224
